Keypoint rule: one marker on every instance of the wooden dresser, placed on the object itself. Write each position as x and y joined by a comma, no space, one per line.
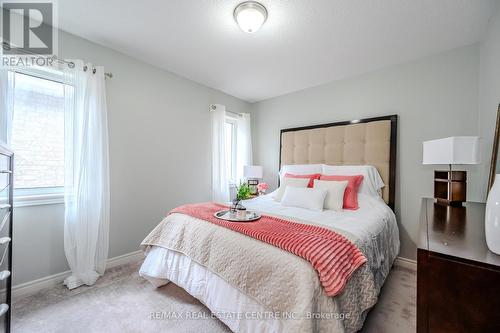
6,190
458,278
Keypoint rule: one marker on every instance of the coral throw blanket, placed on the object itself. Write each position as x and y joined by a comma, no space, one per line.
332,255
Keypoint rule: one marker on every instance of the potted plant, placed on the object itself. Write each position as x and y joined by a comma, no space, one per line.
243,192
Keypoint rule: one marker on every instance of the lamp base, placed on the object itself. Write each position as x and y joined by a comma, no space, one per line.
450,187
252,183
444,202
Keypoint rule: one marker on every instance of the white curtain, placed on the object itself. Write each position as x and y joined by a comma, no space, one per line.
86,225
243,144
6,104
220,178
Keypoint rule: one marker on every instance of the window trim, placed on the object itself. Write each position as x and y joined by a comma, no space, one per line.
42,73
38,196
38,200
43,195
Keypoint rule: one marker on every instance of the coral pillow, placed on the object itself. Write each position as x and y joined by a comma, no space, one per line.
311,177
351,191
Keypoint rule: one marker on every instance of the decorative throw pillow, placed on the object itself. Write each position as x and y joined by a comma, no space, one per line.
335,193
351,191
372,182
289,182
311,177
308,198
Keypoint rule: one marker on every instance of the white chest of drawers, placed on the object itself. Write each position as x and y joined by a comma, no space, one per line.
6,220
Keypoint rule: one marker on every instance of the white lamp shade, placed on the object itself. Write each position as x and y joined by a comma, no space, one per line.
252,171
452,150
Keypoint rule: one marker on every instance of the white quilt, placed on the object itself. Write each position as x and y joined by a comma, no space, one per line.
372,227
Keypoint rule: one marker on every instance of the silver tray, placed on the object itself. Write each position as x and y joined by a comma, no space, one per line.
229,216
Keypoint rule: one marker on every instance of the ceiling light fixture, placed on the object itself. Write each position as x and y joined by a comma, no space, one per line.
250,16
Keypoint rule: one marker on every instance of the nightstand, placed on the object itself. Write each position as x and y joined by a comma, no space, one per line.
458,278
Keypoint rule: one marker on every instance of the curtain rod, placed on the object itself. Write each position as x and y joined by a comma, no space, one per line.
70,64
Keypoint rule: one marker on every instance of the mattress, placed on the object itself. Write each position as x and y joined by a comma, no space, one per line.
372,227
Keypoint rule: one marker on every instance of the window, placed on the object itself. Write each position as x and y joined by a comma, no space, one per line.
38,135
230,128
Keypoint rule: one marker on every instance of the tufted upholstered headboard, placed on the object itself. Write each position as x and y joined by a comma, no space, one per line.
359,142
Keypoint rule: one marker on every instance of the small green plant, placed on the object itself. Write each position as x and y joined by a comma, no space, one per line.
243,192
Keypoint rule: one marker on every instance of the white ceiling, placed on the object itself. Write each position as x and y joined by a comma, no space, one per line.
304,43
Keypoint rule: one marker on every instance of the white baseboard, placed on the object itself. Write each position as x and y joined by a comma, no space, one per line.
125,259
406,263
31,287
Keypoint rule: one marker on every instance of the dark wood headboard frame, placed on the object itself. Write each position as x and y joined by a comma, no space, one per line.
392,157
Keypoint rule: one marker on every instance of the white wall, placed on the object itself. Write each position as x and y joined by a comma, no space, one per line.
159,135
489,91
38,246
435,97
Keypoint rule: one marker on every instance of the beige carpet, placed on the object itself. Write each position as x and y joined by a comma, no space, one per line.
121,301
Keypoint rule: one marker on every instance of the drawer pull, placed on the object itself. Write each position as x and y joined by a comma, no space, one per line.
3,206
4,240
4,221
4,274
3,309
6,171
4,255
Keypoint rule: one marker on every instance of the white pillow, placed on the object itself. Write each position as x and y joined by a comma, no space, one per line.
304,197
289,182
372,182
301,169
335,193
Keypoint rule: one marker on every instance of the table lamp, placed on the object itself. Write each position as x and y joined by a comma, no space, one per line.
450,187
253,173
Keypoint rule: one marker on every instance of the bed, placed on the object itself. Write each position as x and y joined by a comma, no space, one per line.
253,286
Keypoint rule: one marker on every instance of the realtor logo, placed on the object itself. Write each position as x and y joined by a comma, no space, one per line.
27,28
